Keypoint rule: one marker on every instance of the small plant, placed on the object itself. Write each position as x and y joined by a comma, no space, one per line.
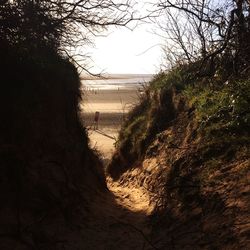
226,107
177,77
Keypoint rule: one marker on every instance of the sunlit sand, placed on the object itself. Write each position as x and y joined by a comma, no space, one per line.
113,105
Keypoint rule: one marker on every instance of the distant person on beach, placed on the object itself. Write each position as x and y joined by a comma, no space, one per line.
96,120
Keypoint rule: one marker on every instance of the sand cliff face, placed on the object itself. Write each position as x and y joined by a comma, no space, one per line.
197,190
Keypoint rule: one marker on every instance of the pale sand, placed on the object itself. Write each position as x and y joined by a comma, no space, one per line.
113,106
109,101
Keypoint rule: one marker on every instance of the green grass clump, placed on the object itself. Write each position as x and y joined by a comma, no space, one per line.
223,114
134,131
226,107
177,77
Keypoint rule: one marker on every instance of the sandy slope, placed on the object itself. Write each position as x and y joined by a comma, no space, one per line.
132,198
120,222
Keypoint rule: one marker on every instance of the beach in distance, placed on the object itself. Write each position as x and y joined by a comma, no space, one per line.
112,98
116,76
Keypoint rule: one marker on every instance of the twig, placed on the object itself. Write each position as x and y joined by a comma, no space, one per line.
139,231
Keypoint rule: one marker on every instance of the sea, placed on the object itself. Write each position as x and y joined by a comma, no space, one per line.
117,81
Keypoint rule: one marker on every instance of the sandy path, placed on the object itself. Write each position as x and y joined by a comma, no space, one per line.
121,222
103,144
131,198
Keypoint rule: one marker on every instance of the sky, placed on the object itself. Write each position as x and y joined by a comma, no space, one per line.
124,51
